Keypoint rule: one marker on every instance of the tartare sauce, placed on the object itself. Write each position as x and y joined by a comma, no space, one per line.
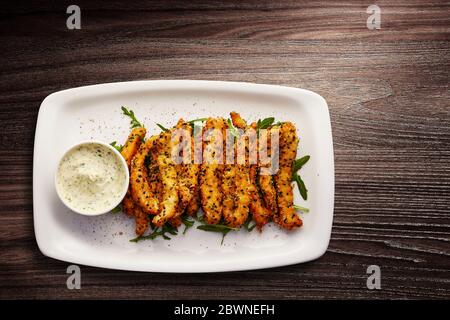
91,178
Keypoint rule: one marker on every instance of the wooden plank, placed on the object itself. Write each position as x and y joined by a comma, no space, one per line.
388,93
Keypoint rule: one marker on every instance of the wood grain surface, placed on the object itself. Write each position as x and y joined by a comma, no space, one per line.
388,93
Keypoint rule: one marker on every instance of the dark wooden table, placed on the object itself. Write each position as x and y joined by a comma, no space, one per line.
388,93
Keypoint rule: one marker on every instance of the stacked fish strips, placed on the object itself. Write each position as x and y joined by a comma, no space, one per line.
162,191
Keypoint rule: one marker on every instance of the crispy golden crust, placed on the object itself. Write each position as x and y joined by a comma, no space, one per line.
154,178
265,180
131,146
141,219
238,122
249,195
128,204
168,174
197,151
140,189
287,217
128,151
194,204
228,192
228,180
261,214
243,195
243,188
211,170
187,171
175,221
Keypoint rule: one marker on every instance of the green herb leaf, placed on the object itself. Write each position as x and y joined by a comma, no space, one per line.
193,123
223,236
265,123
249,225
220,228
118,147
188,222
116,209
300,208
162,127
215,228
198,120
299,163
158,232
301,186
134,123
233,130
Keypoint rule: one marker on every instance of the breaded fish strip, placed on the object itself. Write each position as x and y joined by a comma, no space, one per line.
141,220
243,185
197,151
140,189
187,171
194,205
155,180
168,174
261,214
131,146
129,150
287,216
128,204
228,180
211,170
265,181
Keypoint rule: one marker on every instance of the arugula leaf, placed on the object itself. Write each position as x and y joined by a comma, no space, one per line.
265,123
301,185
299,163
220,228
188,222
116,209
300,208
118,147
249,225
192,123
233,130
158,232
198,120
134,123
162,127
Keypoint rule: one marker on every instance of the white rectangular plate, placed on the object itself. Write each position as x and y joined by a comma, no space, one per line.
93,112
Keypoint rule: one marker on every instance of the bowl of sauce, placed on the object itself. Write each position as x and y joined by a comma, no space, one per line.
92,178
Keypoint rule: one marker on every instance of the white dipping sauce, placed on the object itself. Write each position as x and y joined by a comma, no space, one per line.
91,178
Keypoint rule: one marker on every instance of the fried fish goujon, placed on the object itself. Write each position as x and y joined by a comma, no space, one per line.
187,170
228,192
260,213
286,217
228,180
211,170
129,150
243,188
265,180
139,178
168,174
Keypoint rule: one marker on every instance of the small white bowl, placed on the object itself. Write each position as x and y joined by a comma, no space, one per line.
123,167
